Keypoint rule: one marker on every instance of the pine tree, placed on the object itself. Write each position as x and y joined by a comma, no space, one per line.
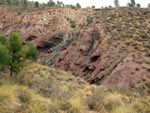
62,4
51,3
138,5
116,2
93,7
16,52
25,3
16,2
78,5
72,6
58,4
36,4
8,2
13,54
133,3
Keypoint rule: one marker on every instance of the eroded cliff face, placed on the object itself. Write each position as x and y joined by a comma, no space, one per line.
106,46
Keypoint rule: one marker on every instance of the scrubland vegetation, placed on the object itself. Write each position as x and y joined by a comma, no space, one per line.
40,89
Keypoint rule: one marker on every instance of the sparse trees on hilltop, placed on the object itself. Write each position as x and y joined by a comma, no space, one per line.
8,2
16,2
72,6
25,3
133,2
78,5
51,3
36,4
116,2
93,7
138,5
60,4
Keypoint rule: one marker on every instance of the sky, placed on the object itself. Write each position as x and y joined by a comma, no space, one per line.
98,3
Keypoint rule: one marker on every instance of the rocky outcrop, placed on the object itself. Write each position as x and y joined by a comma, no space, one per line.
83,58
89,57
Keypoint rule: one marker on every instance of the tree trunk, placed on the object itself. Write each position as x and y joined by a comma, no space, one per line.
11,71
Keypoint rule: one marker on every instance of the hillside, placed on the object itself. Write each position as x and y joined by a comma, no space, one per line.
107,46
41,89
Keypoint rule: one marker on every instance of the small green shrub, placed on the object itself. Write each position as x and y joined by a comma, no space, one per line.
73,25
32,52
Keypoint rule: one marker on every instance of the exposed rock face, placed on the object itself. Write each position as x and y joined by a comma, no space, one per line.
88,58
81,56
106,46
92,58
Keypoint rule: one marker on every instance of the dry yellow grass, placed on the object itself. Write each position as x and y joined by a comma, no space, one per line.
40,89
14,98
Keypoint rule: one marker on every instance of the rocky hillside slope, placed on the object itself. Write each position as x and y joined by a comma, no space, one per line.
103,46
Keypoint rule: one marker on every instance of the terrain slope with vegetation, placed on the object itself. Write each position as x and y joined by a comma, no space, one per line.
41,89
90,60
105,46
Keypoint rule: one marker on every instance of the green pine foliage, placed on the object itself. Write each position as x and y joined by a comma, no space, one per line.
25,4
138,5
78,5
2,2
116,2
93,7
16,2
8,2
36,4
16,52
133,2
51,3
32,52
3,39
4,57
